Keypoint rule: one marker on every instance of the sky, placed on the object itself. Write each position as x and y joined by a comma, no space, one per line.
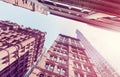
106,42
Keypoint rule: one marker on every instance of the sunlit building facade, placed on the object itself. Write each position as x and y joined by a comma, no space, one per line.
110,6
91,12
103,67
86,11
32,5
19,48
65,58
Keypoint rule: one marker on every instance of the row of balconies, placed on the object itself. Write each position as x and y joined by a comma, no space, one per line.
57,59
56,69
64,7
83,67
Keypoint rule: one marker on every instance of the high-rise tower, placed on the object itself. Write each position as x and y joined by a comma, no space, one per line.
19,48
65,58
91,12
103,67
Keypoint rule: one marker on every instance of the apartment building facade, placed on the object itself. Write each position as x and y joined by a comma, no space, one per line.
19,48
65,58
32,5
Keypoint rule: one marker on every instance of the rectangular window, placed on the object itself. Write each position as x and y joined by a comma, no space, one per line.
58,70
75,65
55,58
51,68
79,66
51,57
63,72
75,74
88,69
60,60
46,66
26,1
64,61
81,75
64,53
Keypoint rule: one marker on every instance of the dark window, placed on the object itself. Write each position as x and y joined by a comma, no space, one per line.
62,6
75,74
41,75
46,66
81,75
26,1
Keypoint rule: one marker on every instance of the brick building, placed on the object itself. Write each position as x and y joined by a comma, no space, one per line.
91,12
19,48
32,5
65,58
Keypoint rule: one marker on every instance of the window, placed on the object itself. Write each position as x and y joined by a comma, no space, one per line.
88,69
64,53
83,59
46,66
53,58
26,1
63,72
28,46
64,61
78,74
77,58
31,3
81,75
41,75
79,66
22,49
83,67
75,74
75,65
73,56
51,68
60,60
58,70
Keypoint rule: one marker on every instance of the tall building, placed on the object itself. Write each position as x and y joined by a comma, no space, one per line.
32,5
75,10
103,67
86,11
65,58
19,48
110,6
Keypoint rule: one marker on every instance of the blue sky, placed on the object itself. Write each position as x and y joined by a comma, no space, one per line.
106,42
